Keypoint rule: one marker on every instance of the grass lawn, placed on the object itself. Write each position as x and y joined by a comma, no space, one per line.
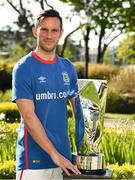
119,116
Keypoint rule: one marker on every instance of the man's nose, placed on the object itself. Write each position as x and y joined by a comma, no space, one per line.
49,34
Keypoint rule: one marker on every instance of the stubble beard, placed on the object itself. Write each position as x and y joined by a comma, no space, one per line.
48,50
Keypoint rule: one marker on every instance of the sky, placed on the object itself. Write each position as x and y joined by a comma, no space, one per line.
9,16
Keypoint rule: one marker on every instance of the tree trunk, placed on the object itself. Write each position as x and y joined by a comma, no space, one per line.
102,53
102,32
66,39
87,57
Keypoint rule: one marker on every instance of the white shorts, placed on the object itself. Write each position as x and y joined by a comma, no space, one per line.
40,174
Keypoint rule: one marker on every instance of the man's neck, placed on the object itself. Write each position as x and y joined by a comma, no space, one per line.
49,56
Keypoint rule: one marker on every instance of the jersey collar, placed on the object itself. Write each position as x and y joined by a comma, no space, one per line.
44,60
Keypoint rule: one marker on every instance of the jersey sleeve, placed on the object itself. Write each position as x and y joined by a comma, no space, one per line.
79,123
21,83
79,118
73,84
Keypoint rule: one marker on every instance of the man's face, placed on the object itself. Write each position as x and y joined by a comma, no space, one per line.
48,34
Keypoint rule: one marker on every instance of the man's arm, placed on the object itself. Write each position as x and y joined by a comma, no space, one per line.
35,128
79,120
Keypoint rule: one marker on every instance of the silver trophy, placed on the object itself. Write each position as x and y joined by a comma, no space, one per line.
93,100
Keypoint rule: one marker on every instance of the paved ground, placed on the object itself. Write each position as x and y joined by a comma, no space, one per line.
120,124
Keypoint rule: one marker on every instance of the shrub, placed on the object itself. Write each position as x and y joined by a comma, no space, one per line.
96,71
117,103
5,96
80,68
126,171
123,83
102,71
118,146
5,75
8,136
10,110
70,112
7,170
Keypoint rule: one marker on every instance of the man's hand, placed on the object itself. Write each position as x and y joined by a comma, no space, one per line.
64,164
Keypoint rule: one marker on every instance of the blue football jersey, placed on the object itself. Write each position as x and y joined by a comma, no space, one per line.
49,84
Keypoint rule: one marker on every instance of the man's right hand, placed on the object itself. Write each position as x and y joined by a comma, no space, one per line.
64,164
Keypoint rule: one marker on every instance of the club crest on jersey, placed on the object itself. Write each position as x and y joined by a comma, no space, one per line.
66,77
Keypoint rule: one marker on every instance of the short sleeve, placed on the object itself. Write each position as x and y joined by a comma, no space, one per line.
21,83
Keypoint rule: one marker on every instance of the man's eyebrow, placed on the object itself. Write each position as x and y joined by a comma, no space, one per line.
53,29
43,28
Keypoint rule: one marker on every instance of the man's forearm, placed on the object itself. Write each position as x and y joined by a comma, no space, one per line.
38,133
35,128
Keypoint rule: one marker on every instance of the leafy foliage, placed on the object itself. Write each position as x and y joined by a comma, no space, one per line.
11,112
5,97
5,75
8,135
118,147
106,16
18,52
126,50
126,171
123,84
116,103
97,71
7,170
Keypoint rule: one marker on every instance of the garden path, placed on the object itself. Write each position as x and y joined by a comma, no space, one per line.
119,124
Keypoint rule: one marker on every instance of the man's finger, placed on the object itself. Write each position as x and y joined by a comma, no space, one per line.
75,169
66,171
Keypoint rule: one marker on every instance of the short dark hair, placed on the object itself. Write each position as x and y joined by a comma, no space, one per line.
48,13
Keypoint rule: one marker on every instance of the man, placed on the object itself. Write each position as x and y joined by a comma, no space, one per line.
42,84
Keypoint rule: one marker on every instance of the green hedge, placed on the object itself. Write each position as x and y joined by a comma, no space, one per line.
117,103
70,112
12,114
11,111
6,97
8,136
7,170
96,71
5,75
118,146
126,171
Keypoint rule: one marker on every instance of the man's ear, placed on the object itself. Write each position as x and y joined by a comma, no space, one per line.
34,31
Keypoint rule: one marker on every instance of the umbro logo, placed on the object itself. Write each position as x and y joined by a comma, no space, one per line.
42,79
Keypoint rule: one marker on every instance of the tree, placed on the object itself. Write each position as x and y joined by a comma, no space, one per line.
72,50
25,22
4,33
128,15
107,17
126,50
85,26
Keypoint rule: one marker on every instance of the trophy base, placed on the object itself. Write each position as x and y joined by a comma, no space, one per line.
107,175
93,172
91,163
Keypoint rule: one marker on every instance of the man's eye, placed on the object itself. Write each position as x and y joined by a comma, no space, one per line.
43,29
55,30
